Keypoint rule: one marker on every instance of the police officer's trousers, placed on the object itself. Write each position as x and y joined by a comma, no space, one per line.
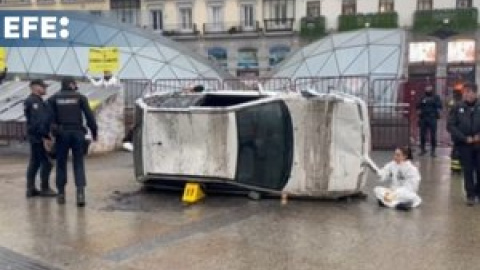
470,161
428,126
38,161
74,140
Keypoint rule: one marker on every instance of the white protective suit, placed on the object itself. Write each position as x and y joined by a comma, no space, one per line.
405,180
113,81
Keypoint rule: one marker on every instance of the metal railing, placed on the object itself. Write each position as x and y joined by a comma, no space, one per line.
257,84
354,85
177,85
15,2
390,125
180,29
13,131
279,24
231,28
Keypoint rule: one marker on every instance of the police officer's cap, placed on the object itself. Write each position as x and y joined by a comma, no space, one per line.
471,86
67,81
38,82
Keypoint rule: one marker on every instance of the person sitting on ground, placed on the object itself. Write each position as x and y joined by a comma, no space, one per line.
108,79
405,180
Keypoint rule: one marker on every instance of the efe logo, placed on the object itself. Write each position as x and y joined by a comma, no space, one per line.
23,27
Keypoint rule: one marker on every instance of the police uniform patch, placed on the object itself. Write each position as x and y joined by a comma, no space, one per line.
35,106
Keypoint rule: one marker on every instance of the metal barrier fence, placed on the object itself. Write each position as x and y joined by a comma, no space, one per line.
252,84
389,125
13,131
391,101
177,85
133,90
410,91
353,85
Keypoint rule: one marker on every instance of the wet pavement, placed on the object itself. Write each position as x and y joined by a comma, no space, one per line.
126,227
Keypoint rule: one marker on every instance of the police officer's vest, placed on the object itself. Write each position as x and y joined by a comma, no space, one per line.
68,111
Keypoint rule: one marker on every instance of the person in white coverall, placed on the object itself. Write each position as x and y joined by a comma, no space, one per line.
108,79
405,180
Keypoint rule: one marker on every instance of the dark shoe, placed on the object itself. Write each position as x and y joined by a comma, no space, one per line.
47,192
422,152
80,197
32,192
61,198
470,201
404,206
380,203
433,154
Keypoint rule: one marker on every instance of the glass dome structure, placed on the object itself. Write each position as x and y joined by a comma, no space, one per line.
143,54
373,53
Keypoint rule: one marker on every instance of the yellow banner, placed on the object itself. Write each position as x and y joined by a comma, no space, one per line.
103,59
3,59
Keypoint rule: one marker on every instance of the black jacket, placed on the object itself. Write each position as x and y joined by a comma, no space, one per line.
68,108
464,121
38,117
429,106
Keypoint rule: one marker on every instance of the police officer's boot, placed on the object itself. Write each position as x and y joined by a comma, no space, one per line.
80,197
61,196
46,191
32,191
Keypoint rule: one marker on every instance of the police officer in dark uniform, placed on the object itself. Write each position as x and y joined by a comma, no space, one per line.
68,108
38,128
429,108
464,126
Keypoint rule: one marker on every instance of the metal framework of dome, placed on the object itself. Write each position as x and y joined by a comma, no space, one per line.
143,53
370,52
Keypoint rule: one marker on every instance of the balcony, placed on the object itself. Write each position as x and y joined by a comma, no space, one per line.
373,20
15,3
457,20
312,27
180,31
279,25
46,2
231,29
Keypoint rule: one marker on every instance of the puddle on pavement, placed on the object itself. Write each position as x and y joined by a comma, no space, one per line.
154,200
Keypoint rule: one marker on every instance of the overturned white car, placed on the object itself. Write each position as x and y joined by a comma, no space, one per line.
310,145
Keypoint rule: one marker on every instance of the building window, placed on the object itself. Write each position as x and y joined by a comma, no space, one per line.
247,58
126,11
314,9
156,17
126,15
279,9
278,54
215,18
349,7
425,4
186,18
247,15
386,6
464,3
219,56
